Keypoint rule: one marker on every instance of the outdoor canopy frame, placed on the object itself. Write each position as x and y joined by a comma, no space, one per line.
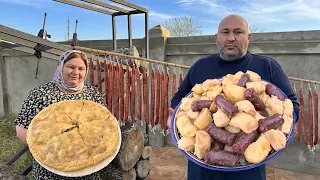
117,11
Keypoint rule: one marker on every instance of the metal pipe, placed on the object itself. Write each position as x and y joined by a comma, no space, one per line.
146,36
129,30
114,34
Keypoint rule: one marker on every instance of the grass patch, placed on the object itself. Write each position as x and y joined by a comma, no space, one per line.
10,144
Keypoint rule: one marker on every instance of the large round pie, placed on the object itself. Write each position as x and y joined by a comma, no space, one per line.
73,135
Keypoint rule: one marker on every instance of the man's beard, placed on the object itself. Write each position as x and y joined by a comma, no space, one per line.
231,57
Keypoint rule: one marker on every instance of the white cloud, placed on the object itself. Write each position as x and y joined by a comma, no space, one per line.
257,11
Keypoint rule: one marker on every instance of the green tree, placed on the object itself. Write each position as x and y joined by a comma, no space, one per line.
183,26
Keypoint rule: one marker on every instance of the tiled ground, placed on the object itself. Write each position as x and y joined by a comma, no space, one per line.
167,163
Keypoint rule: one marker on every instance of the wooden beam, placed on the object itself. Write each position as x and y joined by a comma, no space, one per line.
85,6
133,6
106,5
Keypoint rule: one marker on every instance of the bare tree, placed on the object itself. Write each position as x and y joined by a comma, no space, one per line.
257,29
183,26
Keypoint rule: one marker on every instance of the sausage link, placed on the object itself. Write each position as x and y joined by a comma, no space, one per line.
158,94
111,87
310,112
271,90
166,101
271,122
220,135
297,127
222,158
152,99
121,83
243,142
133,95
162,101
316,133
138,90
145,95
226,106
127,97
243,80
303,122
91,72
99,76
254,98
106,81
116,92
174,83
181,78
198,105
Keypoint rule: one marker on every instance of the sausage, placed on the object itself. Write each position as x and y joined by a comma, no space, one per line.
106,82
243,142
121,84
133,95
158,93
216,146
127,99
243,80
174,83
315,109
145,95
222,158
271,122
310,112
111,87
181,78
116,91
166,101
91,72
254,98
152,99
99,76
161,100
226,106
197,105
220,135
303,121
297,126
271,90
138,90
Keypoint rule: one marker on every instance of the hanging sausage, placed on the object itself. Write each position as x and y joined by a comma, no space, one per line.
138,90
303,122
91,68
127,97
121,92
152,101
106,81
99,75
133,95
145,95
297,127
316,133
158,96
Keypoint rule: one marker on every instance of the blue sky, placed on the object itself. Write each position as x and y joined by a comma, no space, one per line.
274,15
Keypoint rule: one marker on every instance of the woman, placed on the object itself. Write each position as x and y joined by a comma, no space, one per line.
67,84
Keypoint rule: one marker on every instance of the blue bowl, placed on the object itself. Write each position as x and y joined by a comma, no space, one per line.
175,135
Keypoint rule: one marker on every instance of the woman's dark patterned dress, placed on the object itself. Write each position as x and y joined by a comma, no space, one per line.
40,98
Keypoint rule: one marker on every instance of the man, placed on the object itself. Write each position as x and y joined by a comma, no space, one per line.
232,41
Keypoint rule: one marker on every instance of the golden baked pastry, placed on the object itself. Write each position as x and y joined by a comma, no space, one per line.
72,135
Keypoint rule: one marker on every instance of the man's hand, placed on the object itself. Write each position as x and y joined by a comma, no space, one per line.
169,117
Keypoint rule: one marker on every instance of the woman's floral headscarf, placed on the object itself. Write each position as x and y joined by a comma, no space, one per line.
58,77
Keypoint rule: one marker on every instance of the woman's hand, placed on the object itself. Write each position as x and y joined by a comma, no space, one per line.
169,118
22,134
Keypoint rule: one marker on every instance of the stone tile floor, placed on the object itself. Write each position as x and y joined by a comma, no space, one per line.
167,163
